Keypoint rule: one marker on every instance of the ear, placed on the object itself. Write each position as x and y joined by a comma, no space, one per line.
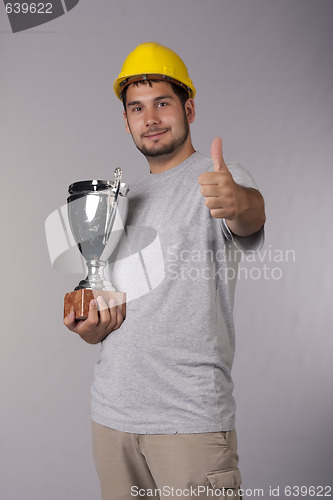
190,110
126,122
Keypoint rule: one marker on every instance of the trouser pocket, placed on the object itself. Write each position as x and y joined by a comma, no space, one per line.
228,482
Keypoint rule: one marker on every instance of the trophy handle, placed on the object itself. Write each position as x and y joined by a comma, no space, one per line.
112,215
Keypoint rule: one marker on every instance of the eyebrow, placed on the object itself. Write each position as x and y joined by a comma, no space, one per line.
156,99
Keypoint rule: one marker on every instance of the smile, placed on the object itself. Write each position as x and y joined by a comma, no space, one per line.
155,135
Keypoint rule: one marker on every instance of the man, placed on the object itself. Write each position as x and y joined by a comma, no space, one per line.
163,411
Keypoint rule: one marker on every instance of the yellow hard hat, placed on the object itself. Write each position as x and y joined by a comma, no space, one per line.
154,61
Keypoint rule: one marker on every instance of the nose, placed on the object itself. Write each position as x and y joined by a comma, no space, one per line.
151,117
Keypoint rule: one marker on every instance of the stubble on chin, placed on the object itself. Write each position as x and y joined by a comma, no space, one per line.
167,149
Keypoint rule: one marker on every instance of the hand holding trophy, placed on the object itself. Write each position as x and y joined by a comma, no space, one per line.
97,212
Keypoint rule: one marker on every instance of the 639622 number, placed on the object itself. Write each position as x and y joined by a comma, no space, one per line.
29,8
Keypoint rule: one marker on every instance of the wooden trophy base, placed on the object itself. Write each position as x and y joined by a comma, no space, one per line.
79,301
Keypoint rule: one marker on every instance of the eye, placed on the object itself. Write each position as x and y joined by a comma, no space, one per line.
136,109
162,103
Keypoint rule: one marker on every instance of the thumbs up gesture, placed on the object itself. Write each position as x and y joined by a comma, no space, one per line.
223,196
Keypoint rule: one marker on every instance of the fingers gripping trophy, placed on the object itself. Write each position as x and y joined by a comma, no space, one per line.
97,212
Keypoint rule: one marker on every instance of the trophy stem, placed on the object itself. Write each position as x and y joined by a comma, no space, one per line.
95,277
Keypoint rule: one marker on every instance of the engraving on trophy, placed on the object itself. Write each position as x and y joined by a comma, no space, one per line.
97,212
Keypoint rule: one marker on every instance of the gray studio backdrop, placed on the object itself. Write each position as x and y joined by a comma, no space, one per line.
263,73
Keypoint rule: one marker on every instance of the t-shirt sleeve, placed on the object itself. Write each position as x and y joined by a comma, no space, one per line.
245,243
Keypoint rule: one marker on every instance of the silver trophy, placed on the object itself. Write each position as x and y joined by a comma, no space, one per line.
97,212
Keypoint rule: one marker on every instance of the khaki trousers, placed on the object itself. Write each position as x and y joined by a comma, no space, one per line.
159,466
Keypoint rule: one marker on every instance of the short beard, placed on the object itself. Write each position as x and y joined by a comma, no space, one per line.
168,149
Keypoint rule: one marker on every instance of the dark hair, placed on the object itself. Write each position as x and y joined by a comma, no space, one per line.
177,89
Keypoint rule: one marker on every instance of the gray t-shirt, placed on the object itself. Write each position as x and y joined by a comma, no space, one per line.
167,369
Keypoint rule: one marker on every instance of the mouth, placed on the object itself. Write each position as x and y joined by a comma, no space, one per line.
156,134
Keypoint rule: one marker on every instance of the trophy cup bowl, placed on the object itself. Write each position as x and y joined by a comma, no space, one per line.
97,212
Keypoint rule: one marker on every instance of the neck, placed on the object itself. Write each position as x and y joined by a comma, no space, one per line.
159,164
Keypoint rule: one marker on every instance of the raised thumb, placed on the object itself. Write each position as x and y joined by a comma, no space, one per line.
217,155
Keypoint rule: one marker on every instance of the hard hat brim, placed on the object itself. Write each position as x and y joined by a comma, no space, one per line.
123,81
